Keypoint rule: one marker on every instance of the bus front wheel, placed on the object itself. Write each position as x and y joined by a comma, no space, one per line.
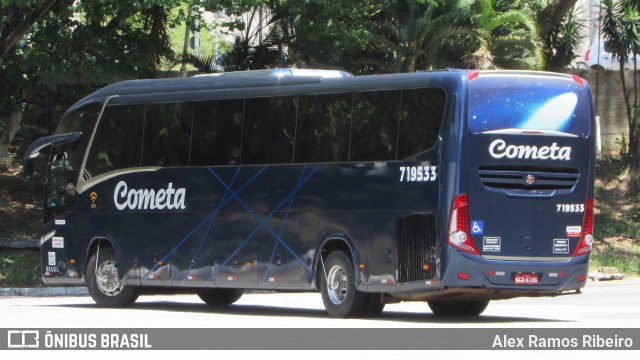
458,308
220,296
338,287
103,281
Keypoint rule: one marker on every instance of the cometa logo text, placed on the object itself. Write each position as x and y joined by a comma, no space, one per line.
143,199
499,149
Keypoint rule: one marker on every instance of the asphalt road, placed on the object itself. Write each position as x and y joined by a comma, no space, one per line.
602,304
614,304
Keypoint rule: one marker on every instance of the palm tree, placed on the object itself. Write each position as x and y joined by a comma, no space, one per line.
423,34
507,35
562,39
620,24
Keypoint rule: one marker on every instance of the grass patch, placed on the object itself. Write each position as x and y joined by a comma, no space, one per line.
617,219
20,268
610,223
625,262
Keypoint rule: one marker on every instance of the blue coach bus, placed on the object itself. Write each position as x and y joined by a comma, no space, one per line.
450,187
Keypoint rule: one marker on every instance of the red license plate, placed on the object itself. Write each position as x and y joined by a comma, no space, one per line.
526,279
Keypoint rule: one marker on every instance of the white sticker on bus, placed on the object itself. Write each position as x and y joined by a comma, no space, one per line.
574,231
491,244
560,246
52,258
57,242
143,199
499,149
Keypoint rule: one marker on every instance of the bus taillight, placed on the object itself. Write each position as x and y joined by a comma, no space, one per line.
459,234
586,237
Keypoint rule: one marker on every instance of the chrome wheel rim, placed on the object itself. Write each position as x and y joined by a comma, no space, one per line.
107,278
337,285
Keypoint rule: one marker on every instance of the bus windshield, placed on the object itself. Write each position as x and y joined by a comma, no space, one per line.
528,103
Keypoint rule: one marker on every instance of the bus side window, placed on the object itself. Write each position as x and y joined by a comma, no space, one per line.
421,115
269,130
217,132
322,133
167,134
374,130
118,140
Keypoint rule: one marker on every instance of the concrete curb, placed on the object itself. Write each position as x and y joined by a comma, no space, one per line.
44,291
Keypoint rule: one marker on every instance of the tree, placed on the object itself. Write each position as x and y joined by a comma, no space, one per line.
621,31
422,34
60,49
507,35
17,19
562,39
553,14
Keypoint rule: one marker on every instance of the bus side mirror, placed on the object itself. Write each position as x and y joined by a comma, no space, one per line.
27,166
29,159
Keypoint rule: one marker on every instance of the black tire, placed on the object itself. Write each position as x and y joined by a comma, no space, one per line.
218,297
374,306
342,300
104,284
458,308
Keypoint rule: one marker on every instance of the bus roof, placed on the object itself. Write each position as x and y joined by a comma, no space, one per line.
278,82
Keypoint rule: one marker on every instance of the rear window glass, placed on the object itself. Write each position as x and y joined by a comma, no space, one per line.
528,102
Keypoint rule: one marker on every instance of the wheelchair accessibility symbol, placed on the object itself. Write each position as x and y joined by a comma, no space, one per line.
477,227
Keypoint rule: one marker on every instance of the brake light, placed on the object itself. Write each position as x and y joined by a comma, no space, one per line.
473,74
586,56
586,237
578,79
459,234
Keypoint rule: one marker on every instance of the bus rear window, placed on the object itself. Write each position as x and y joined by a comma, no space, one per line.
504,103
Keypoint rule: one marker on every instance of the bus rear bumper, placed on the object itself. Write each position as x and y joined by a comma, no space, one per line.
529,276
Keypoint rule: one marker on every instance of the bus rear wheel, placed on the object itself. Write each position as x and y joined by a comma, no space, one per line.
458,308
103,281
220,296
374,306
338,288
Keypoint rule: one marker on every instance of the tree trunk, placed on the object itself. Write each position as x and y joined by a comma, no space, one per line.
10,131
11,38
634,145
634,162
553,15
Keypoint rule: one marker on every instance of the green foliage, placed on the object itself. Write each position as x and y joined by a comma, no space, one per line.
366,36
610,224
20,269
621,31
626,263
9,160
508,31
424,35
562,41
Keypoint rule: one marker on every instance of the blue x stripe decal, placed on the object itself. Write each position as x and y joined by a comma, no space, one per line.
231,194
